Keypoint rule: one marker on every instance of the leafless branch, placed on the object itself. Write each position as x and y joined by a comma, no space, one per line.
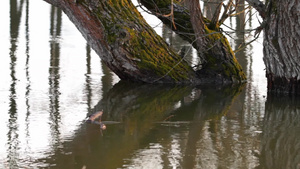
226,12
243,45
53,2
259,6
215,19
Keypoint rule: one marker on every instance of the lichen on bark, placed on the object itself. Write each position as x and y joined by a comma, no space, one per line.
219,64
132,49
127,31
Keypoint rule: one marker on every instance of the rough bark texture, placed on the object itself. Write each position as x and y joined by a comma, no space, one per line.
219,62
281,46
259,6
125,42
131,48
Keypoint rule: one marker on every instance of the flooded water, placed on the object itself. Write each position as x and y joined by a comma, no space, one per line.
50,81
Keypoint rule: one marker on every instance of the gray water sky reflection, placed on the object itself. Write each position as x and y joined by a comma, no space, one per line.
49,84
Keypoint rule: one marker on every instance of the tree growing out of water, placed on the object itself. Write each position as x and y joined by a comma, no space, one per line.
282,46
131,48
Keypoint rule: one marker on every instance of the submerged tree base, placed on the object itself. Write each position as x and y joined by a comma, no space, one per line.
282,85
281,47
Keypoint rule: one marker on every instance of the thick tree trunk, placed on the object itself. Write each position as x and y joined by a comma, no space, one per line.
131,49
125,42
218,60
281,46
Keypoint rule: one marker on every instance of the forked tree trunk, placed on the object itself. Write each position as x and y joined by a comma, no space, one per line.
282,46
125,42
131,48
218,60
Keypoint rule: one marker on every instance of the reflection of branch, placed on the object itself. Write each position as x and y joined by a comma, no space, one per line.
246,44
139,107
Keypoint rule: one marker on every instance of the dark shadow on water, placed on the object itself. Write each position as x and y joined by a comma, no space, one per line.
280,142
141,110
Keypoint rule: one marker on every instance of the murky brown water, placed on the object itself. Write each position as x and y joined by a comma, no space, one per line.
51,80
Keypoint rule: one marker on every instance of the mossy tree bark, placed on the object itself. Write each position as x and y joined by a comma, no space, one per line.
218,60
131,48
281,46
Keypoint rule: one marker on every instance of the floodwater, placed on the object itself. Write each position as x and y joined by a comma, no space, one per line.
51,80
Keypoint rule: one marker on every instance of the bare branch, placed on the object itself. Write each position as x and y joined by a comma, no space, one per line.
243,45
171,14
243,11
226,13
215,19
53,2
259,6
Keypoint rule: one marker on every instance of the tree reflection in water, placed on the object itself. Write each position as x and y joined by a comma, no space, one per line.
167,125
280,142
159,126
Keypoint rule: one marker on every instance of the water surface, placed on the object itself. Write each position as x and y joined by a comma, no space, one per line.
51,80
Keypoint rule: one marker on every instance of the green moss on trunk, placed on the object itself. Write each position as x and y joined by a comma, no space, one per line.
219,64
220,57
128,32
131,48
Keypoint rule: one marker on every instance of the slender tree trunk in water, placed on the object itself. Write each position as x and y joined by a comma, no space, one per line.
131,48
282,46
